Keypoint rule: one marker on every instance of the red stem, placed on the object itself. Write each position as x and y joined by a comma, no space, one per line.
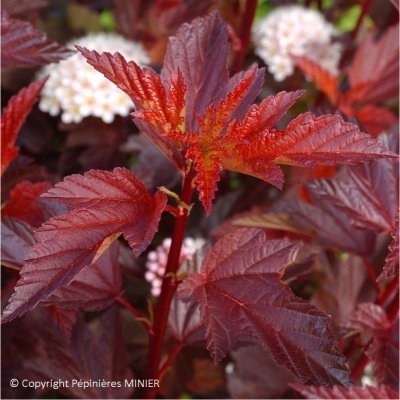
393,309
388,292
247,22
171,358
168,288
137,314
358,369
364,10
372,276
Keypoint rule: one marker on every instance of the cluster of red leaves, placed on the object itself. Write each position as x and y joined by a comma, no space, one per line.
372,77
214,125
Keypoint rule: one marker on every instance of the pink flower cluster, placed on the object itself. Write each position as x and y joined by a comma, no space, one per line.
157,260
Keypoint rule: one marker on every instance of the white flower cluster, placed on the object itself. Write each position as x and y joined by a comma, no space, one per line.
78,90
157,260
296,31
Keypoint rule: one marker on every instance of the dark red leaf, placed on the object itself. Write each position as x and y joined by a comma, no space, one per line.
331,226
339,392
22,6
65,318
185,322
94,288
191,51
106,205
310,140
391,267
13,118
369,194
88,356
16,239
374,72
256,375
23,203
24,46
384,348
341,284
240,294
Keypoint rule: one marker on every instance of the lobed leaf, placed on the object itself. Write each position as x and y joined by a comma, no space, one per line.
325,80
16,239
339,392
374,72
200,51
383,351
23,203
240,294
105,204
310,140
163,107
13,118
24,46
391,267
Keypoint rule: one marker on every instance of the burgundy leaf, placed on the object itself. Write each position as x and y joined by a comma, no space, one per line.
369,195
310,140
98,357
331,227
339,392
341,285
23,203
94,288
24,46
391,267
106,205
185,322
248,379
65,318
384,348
240,294
374,72
22,6
13,118
16,239
190,51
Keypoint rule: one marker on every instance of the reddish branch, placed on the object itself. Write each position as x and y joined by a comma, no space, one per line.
168,288
144,321
247,22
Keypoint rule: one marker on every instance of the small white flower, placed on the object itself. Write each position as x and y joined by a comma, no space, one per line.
77,90
295,31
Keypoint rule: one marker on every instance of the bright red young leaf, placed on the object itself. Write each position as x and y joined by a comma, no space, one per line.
339,392
391,267
374,72
197,108
13,118
376,119
383,351
24,46
16,239
105,204
240,294
325,80
23,203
